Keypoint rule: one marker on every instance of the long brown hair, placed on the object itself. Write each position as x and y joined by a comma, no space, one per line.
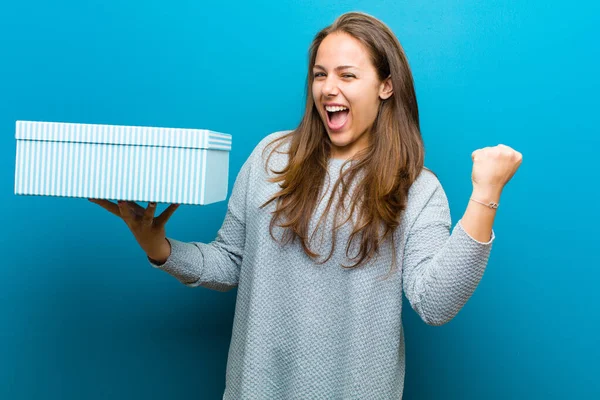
387,167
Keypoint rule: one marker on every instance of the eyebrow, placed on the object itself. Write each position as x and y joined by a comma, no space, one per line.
339,68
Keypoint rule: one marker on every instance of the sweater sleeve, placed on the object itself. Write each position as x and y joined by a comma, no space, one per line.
441,270
214,265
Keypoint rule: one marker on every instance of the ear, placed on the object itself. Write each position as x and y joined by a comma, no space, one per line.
385,89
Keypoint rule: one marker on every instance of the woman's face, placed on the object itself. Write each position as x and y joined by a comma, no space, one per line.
347,92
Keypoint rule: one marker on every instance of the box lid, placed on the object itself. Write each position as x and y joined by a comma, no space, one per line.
124,135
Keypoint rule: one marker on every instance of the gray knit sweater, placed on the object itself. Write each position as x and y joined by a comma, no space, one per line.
304,330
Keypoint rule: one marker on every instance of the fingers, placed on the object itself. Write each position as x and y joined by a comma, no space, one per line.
129,211
498,153
136,208
126,211
162,219
149,214
509,151
108,205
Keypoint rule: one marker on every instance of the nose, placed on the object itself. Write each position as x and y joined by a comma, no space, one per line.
330,88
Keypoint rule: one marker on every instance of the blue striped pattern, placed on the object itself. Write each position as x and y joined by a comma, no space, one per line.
118,134
93,161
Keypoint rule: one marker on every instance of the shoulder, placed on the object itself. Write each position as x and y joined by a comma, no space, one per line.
277,140
275,145
424,186
426,194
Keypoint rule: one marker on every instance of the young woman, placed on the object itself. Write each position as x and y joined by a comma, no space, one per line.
328,224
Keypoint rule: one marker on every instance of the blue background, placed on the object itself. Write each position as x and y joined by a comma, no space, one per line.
82,314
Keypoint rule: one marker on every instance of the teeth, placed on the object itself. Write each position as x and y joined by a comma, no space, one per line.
335,108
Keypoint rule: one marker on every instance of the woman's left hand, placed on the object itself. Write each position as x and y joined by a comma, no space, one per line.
493,167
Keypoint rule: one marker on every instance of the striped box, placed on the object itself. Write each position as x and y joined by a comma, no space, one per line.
164,165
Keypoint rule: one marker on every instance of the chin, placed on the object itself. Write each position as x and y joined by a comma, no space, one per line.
343,138
339,143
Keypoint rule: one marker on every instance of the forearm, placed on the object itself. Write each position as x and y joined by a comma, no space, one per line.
212,265
441,269
478,219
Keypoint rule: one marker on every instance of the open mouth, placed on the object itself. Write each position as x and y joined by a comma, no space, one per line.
337,116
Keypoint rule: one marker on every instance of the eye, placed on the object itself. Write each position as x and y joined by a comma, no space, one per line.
318,74
348,76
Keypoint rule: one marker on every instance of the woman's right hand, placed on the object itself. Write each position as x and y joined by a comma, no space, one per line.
147,230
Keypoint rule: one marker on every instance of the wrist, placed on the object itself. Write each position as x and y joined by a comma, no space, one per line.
162,253
486,195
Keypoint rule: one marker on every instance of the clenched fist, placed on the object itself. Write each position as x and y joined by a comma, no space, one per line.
493,167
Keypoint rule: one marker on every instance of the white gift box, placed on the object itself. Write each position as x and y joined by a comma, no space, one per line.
163,165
